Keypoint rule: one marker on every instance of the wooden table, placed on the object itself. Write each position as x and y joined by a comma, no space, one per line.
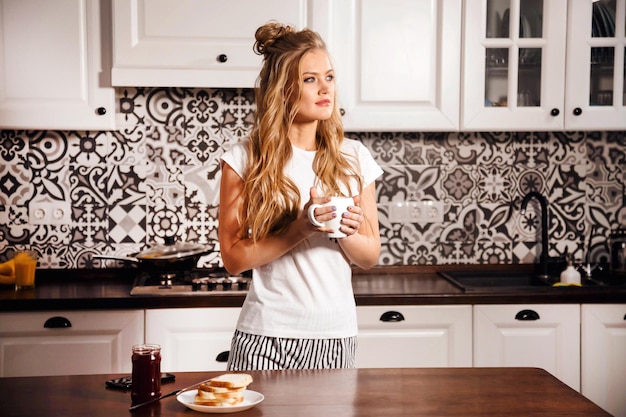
333,393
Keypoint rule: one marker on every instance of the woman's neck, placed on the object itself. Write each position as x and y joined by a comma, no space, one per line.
302,135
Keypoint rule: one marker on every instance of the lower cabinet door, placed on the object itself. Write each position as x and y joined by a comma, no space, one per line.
604,356
68,342
414,336
192,339
536,335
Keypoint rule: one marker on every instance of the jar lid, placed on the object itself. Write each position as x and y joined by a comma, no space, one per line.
146,348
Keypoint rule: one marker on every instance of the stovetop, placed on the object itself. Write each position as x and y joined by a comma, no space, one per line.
195,282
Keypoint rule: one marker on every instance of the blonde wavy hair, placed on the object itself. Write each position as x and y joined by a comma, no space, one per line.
270,199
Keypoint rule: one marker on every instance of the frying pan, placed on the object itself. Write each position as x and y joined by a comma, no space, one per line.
169,256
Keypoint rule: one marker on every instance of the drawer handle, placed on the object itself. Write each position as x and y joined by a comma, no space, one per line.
57,322
222,58
223,357
527,315
392,316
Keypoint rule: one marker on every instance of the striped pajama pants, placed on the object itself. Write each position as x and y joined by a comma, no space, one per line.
250,352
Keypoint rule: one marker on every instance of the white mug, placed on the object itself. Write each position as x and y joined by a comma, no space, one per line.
342,204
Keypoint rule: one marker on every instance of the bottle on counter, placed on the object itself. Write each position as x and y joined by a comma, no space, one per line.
570,274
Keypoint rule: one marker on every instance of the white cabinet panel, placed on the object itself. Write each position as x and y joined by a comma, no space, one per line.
55,65
495,96
88,342
397,63
537,335
596,68
191,338
414,336
193,43
603,361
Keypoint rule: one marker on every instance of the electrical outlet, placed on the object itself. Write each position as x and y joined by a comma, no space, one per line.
47,212
434,211
416,212
397,211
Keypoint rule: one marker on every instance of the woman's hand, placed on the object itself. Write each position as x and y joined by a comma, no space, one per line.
362,246
352,219
321,214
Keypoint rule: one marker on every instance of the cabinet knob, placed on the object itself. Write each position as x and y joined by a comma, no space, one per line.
342,112
223,356
57,322
222,58
577,111
527,315
101,111
554,112
392,316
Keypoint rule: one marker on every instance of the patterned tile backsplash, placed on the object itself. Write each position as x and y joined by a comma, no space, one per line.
158,175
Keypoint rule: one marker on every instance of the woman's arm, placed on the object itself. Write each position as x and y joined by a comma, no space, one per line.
362,246
239,253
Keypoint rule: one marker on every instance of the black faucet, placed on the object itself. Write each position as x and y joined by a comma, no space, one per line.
543,260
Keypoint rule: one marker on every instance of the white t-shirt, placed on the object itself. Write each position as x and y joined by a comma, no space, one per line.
306,293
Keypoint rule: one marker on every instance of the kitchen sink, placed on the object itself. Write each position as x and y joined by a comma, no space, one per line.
512,281
485,281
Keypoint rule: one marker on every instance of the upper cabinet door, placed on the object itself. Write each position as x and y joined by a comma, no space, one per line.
596,87
54,70
514,65
193,43
397,62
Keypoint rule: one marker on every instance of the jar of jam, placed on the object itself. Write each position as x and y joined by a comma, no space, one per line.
146,376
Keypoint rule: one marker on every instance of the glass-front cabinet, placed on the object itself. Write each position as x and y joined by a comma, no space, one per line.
544,65
596,46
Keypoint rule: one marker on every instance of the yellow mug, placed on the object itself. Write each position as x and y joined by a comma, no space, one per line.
25,265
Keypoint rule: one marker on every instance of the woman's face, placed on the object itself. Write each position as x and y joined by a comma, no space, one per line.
318,87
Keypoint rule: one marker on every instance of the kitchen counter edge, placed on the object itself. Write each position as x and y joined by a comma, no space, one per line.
386,285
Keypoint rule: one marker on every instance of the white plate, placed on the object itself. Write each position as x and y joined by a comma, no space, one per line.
250,399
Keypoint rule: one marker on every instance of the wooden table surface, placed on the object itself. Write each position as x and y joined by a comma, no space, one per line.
330,393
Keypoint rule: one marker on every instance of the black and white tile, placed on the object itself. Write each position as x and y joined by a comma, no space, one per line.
158,175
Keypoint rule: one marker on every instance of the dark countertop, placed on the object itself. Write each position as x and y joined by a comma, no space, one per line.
340,392
97,289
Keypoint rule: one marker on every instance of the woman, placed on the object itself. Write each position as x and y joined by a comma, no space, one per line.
300,311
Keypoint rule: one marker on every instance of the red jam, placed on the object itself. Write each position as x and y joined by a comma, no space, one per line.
146,377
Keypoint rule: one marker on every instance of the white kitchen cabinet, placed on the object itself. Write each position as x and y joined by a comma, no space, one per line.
397,63
596,67
191,338
68,342
514,65
414,336
193,43
546,336
536,65
55,65
603,345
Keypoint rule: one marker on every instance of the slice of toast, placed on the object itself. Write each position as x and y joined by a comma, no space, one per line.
208,395
208,388
231,381
228,402
224,390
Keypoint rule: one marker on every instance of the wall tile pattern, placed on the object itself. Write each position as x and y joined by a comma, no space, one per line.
158,175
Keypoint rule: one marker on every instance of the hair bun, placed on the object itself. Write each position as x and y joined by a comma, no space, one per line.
268,34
